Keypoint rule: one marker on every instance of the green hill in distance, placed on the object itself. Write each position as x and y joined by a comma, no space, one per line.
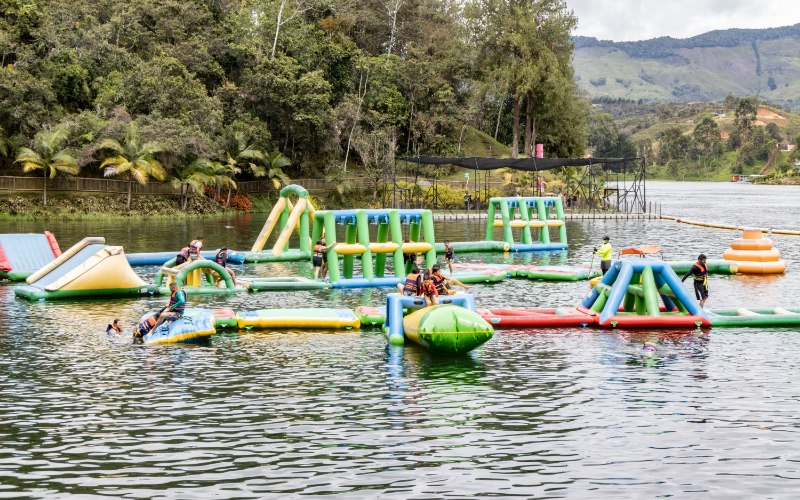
706,67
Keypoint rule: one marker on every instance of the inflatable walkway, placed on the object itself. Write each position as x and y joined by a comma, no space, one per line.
23,254
88,269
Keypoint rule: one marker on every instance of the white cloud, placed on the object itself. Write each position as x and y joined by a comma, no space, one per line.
626,20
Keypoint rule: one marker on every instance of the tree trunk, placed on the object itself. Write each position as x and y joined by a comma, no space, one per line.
528,149
277,30
515,128
499,113
229,197
130,188
44,199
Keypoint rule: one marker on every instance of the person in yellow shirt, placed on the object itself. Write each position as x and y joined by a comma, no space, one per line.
605,255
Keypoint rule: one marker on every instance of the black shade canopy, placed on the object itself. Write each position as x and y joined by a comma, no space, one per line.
527,164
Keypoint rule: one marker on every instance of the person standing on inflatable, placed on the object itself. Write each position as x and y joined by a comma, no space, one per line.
700,272
605,255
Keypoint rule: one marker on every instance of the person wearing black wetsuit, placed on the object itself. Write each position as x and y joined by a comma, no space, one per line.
700,273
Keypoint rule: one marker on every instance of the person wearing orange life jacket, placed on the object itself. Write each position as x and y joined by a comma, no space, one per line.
443,283
320,258
411,285
176,306
427,290
194,248
145,326
700,272
115,328
182,256
222,260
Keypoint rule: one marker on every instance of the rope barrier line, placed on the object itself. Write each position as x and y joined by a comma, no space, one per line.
732,227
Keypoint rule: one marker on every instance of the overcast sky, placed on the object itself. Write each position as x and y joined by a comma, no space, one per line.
626,20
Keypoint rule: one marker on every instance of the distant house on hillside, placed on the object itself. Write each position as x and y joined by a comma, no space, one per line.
688,122
785,146
724,134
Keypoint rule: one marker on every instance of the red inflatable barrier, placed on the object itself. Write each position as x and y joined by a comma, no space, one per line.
53,243
512,317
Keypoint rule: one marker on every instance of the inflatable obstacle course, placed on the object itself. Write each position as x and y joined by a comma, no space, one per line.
548,273
289,218
195,324
452,327
23,254
159,258
199,276
528,207
542,318
88,269
755,316
753,254
389,241
636,286
298,318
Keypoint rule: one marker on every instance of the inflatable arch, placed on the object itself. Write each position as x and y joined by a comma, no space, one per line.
357,242
527,205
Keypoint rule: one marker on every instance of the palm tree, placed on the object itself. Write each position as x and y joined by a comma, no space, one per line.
274,169
242,154
190,177
220,175
46,156
133,160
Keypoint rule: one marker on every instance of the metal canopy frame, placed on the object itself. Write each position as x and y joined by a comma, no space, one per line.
409,183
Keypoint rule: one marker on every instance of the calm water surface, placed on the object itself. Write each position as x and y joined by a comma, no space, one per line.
569,413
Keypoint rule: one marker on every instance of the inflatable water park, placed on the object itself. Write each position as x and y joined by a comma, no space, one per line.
638,291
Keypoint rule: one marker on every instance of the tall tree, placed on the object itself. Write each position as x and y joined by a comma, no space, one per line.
133,160
47,156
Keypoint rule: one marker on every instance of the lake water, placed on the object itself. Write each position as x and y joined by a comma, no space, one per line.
561,413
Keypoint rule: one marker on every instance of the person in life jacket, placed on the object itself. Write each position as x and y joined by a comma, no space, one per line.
115,328
700,272
443,284
427,290
409,257
145,326
176,306
449,255
194,248
320,258
182,256
411,285
222,259
605,255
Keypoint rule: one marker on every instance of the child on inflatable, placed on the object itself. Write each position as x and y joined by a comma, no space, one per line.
320,257
449,255
411,285
427,290
443,284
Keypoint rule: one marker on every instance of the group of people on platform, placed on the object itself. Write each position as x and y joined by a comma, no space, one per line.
430,283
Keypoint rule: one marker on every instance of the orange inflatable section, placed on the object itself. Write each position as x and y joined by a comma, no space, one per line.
754,254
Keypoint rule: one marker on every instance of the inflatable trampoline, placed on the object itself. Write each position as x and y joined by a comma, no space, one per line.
23,254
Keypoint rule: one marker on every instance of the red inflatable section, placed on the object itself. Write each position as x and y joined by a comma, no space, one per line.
4,265
369,311
53,244
512,317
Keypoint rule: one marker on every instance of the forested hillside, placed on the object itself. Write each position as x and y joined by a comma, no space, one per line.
188,90
707,67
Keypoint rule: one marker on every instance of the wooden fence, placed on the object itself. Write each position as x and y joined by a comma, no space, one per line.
84,184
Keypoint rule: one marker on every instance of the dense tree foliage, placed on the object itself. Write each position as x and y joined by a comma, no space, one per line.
667,46
239,83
